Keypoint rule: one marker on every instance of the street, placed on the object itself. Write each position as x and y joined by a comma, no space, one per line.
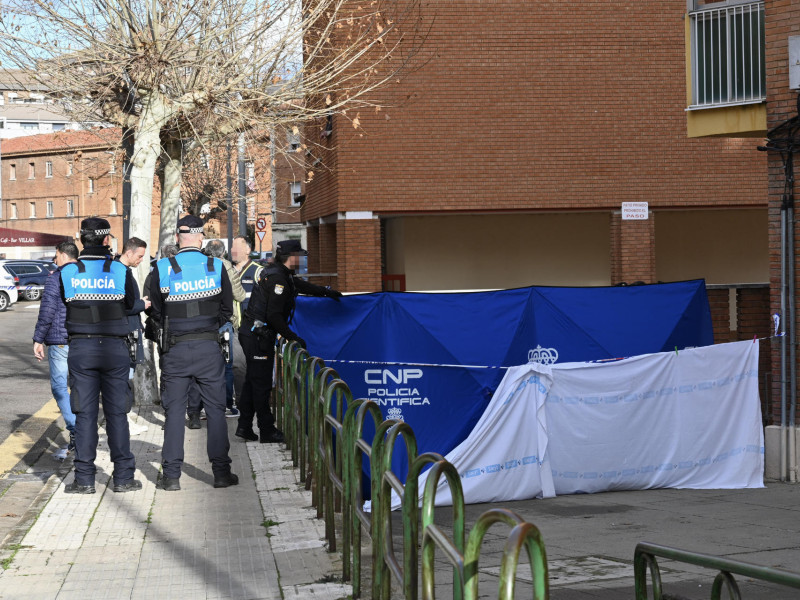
30,426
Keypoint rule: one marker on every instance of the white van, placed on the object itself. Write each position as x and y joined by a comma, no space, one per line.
8,289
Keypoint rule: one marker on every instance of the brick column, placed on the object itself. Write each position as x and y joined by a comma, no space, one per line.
358,252
719,301
312,245
633,253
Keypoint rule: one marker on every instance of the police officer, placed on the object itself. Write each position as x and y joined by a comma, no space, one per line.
98,291
269,312
191,298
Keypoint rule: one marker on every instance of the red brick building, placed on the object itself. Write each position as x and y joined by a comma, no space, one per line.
50,182
505,159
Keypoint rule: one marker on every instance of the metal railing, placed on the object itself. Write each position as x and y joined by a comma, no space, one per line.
644,560
324,429
728,55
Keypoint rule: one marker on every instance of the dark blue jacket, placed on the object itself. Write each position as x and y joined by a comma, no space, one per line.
50,327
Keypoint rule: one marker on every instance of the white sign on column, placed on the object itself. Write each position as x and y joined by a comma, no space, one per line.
635,211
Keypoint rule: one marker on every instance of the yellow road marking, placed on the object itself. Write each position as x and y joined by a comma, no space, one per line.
19,443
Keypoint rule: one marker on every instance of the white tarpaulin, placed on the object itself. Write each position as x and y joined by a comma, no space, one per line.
681,420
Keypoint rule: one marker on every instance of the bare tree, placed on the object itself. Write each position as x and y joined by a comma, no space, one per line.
172,71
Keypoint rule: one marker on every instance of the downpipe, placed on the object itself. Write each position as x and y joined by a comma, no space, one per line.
783,450
792,339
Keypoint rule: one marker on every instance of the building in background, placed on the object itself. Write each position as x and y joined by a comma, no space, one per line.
25,108
50,182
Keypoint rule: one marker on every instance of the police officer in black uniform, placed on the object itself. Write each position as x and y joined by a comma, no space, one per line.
98,291
191,298
269,312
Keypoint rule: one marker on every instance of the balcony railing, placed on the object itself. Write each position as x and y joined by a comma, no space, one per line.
728,63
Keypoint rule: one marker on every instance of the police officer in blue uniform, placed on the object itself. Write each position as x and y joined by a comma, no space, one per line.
269,312
98,291
191,298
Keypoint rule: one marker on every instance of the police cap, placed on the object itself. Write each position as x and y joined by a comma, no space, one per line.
190,224
95,226
286,247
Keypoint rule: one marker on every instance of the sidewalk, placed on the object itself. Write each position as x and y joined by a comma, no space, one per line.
261,539
257,540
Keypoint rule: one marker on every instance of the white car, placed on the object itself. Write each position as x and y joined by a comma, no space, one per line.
8,289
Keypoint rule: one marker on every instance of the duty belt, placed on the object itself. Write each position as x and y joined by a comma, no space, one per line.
89,336
185,337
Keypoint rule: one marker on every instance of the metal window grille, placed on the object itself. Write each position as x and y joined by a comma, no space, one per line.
728,60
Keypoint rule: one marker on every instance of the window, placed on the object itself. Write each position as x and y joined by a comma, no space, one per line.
296,190
33,210
70,207
29,126
13,171
113,208
91,185
14,210
112,168
59,126
294,141
251,171
69,168
48,168
727,53
31,170
49,209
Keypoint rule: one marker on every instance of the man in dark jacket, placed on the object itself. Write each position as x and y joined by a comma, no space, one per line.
51,332
269,312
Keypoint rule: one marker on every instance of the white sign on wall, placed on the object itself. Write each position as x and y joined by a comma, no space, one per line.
794,62
634,211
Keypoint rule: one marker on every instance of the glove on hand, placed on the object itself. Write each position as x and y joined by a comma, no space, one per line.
335,294
301,342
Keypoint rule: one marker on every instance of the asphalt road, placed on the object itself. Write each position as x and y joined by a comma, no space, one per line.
24,382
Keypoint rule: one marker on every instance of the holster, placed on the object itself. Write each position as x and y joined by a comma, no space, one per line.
131,339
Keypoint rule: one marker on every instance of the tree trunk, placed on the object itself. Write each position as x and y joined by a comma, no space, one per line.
171,192
146,149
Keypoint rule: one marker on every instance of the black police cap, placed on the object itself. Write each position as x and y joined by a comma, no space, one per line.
96,226
286,247
190,224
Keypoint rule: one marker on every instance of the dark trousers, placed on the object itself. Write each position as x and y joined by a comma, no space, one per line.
100,365
260,357
199,363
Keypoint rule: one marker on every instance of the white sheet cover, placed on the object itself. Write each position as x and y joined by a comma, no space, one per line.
681,420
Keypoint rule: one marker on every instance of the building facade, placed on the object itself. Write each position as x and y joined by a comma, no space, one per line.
504,161
26,109
50,182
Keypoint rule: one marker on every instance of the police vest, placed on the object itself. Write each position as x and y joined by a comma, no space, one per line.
94,290
248,277
192,284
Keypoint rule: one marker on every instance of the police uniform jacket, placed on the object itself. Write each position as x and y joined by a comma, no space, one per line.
248,275
273,299
98,291
193,290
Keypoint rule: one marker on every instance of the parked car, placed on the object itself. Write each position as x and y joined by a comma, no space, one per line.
8,289
29,276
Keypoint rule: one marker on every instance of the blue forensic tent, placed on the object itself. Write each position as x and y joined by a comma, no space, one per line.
435,359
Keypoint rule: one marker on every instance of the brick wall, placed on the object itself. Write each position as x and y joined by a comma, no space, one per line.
755,321
633,253
538,106
719,302
781,19
358,255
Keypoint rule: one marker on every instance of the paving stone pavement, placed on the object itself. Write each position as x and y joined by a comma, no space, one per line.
257,540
